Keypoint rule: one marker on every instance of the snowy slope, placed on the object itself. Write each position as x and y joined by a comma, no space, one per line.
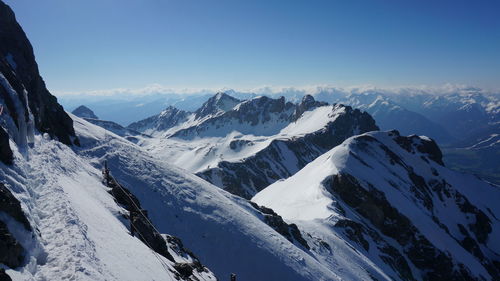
230,149
118,129
80,235
390,197
224,231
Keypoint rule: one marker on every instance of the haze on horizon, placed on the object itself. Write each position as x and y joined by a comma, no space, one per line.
97,45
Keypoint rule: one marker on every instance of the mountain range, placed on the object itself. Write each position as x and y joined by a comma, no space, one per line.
450,116
263,187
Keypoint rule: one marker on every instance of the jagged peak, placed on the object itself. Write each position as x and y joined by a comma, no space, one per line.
220,102
307,103
307,99
170,110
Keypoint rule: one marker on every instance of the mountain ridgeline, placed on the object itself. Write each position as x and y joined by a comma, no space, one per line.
256,186
244,146
391,196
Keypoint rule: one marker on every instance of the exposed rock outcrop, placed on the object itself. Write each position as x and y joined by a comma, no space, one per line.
143,228
4,276
289,231
184,269
6,155
27,100
371,204
139,222
247,177
12,207
11,252
308,102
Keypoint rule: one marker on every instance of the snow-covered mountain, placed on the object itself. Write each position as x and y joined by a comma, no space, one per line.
89,115
390,198
87,199
223,231
244,146
168,118
389,115
79,202
462,114
172,117
215,105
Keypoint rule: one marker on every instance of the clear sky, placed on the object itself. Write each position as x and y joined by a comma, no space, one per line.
103,44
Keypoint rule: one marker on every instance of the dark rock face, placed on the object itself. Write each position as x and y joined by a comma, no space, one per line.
11,252
307,103
6,155
290,231
4,276
141,227
247,177
139,222
359,234
12,207
18,66
414,143
432,194
84,112
185,270
372,205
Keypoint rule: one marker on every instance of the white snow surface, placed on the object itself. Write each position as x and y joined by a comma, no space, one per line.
201,153
83,237
221,229
304,200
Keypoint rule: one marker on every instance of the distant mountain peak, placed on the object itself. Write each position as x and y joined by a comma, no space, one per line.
220,102
168,118
308,102
84,112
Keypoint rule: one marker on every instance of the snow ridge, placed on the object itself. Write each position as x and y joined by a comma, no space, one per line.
392,197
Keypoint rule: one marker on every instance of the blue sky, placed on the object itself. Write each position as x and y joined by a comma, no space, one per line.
86,45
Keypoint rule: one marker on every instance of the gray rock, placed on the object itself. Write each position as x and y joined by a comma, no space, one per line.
6,155
84,112
21,71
